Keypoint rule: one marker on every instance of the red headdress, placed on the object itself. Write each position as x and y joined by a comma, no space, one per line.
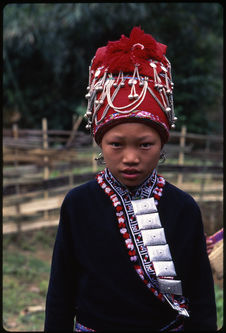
130,79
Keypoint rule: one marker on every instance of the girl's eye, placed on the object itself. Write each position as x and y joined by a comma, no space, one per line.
115,144
145,145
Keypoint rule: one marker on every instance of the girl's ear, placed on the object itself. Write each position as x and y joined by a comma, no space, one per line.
100,159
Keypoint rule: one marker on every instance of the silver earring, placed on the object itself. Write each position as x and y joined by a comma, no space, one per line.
162,157
100,159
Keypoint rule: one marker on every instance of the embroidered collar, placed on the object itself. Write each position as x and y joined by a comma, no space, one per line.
140,192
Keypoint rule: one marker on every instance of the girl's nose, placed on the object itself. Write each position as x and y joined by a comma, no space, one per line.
130,156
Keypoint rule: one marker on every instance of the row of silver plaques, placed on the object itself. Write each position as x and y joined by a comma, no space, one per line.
158,250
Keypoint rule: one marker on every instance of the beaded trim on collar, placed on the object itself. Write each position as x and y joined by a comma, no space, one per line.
121,199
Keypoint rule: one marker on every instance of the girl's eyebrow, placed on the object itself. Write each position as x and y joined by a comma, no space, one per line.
145,137
116,136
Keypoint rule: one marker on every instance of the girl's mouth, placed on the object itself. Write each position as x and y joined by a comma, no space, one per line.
130,173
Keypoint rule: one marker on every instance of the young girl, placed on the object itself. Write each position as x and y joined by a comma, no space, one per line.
130,252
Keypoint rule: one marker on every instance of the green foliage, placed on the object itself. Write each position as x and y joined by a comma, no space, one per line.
220,305
25,278
23,267
47,49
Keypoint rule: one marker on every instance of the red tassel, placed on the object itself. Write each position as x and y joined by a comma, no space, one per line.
98,60
123,54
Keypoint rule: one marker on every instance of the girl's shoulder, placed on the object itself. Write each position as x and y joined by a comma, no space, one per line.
87,189
175,195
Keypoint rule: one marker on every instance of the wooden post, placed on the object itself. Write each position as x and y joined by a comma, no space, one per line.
45,159
181,153
204,176
16,136
75,125
15,131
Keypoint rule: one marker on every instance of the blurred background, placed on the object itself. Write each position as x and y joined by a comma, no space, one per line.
47,49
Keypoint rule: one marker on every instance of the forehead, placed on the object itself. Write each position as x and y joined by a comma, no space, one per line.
135,129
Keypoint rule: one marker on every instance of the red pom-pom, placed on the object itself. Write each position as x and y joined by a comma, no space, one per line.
121,225
98,60
118,208
123,54
137,267
156,196
126,235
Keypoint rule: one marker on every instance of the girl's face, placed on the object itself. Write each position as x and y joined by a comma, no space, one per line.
131,151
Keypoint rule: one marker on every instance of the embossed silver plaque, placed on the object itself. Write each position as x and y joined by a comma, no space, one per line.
170,286
149,221
159,252
164,268
144,206
153,236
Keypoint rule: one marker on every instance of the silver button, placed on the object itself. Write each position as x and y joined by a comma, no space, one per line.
153,236
164,268
159,252
144,206
170,286
149,221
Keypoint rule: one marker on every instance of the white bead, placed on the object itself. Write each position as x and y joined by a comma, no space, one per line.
99,88
132,81
97,72
173,125
153,65
130,96
168,109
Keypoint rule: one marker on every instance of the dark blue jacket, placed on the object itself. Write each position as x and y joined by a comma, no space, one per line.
93,279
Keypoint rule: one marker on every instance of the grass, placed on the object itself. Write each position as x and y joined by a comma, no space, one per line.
25,278
75,171
26,268
220,305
